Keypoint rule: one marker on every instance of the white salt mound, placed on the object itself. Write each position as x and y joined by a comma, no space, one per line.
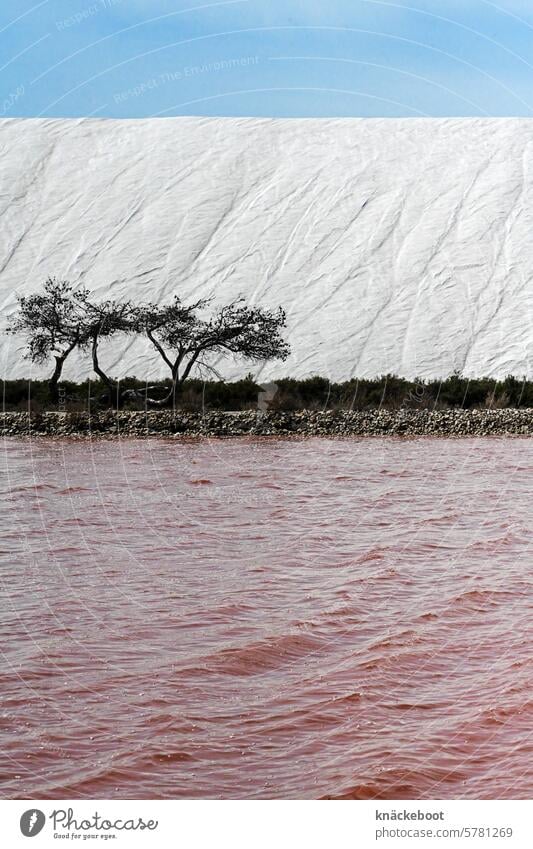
401,246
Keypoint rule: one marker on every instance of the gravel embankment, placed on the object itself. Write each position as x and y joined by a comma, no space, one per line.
510,422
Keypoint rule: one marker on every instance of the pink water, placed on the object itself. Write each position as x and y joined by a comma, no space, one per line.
266,618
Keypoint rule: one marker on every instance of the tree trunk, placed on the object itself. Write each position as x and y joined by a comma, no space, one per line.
54,380
177,385
112,389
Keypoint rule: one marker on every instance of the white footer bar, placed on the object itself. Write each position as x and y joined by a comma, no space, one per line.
267,824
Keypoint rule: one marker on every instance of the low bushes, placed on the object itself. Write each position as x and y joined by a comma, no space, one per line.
314,393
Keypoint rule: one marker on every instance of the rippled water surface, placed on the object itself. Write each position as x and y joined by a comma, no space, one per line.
268,618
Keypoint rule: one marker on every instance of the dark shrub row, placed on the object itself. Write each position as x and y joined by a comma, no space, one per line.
388,392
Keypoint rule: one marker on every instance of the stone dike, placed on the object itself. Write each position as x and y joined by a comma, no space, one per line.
508,422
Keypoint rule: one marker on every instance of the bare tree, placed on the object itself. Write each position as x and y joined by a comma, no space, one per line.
103,320
60,319
184,340
54,323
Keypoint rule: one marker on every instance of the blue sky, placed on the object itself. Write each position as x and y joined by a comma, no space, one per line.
140,58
